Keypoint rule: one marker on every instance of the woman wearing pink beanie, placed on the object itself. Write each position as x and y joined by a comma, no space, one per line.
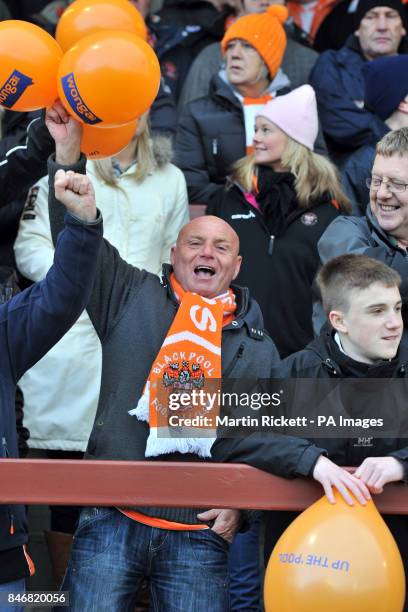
279,200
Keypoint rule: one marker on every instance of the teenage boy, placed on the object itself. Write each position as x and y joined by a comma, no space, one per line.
363,304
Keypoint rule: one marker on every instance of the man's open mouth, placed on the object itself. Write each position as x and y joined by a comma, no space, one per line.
204,271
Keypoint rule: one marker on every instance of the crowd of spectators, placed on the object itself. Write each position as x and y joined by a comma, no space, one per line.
288,121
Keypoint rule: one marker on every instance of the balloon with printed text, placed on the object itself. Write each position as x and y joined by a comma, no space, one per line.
335,557
29,60
108,78
97,143
84,17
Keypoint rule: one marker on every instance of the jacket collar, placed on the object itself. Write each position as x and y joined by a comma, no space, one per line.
222,89
337,364
325,199
280,81
379,232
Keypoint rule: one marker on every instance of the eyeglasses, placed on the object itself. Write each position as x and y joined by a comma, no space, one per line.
375,182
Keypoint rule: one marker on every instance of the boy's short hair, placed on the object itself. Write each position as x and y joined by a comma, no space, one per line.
343,274
393,143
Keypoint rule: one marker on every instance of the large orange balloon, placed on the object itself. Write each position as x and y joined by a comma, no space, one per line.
29,59
97,143
108,78
85,17
334,558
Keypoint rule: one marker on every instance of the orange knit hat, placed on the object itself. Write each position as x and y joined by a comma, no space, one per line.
264,32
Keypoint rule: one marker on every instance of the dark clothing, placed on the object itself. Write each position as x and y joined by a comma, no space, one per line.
336,28
210,138
132,311
288,456
22,432
30,324
13,565
278,269
23,9
276,198
64,519
23,160
195,12
9,222
163,112
354,173
337,78
14,128
179,35
24,149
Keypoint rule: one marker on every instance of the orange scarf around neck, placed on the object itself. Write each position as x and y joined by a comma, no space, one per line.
189,359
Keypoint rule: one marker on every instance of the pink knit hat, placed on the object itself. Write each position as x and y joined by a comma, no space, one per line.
295,114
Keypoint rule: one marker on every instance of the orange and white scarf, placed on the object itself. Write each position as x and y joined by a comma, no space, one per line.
190,358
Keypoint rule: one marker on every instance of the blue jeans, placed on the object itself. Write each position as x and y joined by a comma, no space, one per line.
12,587
111,554
245,573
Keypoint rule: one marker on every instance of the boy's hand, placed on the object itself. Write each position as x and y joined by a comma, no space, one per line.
331,475
67,133
77,194
375,472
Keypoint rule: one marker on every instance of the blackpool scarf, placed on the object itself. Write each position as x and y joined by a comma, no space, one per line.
189,359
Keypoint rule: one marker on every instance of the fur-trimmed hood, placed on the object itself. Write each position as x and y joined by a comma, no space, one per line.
163,150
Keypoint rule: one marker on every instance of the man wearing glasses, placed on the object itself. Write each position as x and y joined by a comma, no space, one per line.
383,232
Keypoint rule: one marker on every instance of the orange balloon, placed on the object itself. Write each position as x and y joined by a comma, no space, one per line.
335,558
85,17
108,78
97,143
29,59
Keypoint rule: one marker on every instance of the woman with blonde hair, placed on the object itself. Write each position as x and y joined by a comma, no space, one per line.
279,200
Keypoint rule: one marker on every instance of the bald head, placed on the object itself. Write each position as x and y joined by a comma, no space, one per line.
211,225
206,256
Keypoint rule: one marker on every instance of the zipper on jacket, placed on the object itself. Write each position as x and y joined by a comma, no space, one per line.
237,356
330,367
215,146
5,455
259,216
11,519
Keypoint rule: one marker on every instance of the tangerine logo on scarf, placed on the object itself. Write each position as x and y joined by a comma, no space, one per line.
190,358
